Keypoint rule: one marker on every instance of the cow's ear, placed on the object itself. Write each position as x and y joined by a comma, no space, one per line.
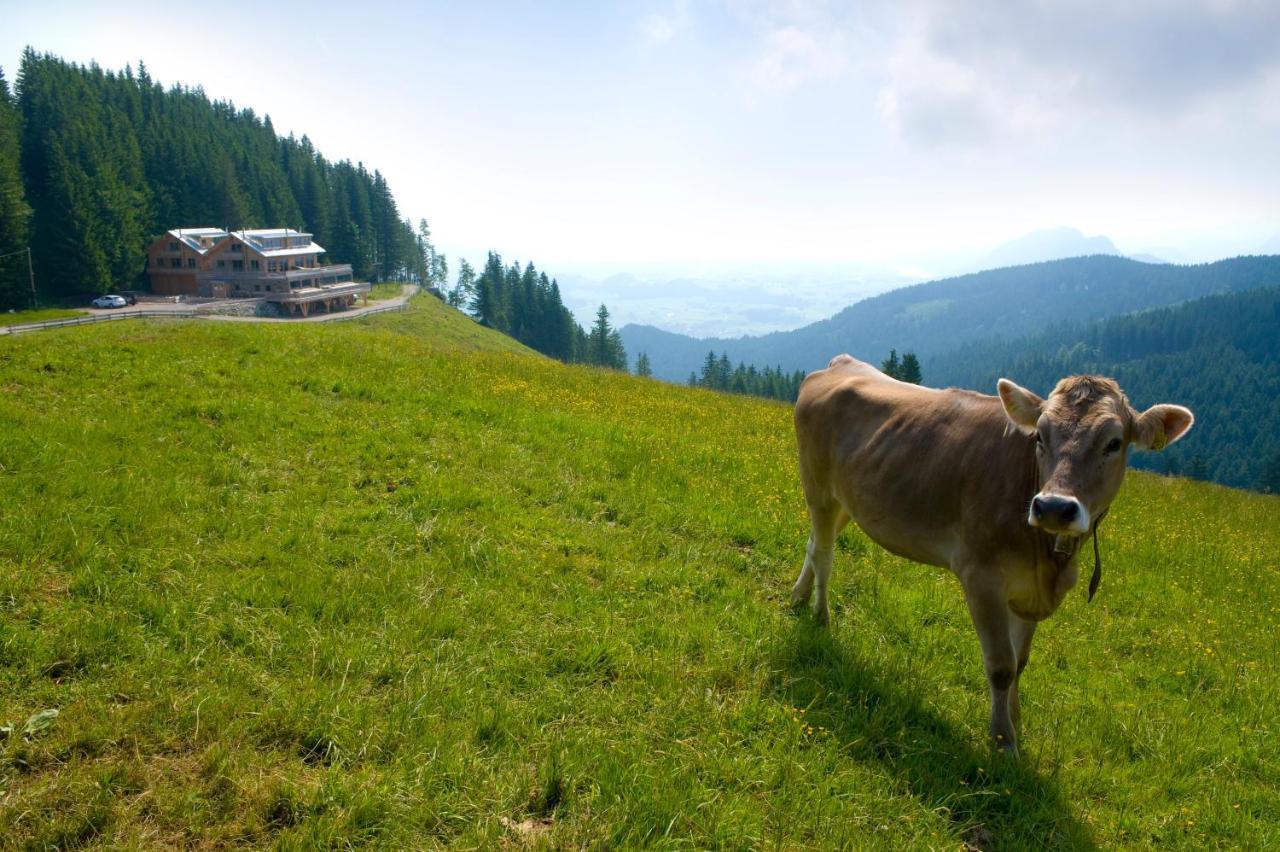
1021,405
1161,425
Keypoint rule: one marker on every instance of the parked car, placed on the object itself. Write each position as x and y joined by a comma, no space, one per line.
109,301
130,297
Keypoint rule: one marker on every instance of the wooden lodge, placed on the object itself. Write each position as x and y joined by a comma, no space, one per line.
277,265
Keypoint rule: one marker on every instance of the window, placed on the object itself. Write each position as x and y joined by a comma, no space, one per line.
222,264
253,264
237,265
173,247
191,263
237,247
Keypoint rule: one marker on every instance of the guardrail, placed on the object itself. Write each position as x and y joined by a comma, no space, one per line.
366,312
93,318
190,314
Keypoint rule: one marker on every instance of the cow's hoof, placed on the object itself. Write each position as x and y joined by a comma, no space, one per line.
821,617
799,601
1006,745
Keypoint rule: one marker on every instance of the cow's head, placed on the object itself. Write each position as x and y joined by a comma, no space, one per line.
1083,432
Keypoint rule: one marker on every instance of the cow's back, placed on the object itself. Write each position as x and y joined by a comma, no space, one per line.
918,469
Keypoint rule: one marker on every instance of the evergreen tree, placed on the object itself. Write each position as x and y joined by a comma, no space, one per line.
724,372
604,345
643,369
891,366
487,304
909,369
15,214
709,371
563,329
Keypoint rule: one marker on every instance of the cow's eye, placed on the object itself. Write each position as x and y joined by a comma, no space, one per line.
1113,446
1039,440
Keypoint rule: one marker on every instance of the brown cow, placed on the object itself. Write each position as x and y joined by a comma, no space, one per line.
1000,490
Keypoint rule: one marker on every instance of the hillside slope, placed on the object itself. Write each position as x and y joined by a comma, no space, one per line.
937,316
1220,355
353,583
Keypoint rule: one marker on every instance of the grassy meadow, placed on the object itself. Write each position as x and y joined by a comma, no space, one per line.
385,290
38,315
398,581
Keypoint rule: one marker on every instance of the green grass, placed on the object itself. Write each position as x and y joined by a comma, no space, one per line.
385,290
397,581
40,315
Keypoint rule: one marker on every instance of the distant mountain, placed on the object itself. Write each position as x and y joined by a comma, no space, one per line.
1217,355
728,301
1047,244
1143,257
938,316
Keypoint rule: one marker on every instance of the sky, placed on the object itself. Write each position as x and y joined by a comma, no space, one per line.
677,134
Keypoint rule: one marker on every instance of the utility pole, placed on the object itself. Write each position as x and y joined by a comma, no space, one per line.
32,275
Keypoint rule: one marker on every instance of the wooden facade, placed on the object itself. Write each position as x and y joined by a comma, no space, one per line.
271,264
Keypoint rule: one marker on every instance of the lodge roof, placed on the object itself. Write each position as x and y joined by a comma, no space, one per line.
264,241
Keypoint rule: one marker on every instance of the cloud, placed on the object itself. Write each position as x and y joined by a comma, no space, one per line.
950,73
660,28
1004,68
793,56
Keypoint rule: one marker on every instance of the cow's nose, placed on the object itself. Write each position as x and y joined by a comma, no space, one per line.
1057,511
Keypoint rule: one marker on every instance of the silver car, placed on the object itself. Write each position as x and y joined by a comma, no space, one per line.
109,301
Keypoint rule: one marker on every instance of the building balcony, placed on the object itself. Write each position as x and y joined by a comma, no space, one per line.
334,272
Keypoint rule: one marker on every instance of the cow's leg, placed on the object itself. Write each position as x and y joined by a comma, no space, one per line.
991,617
803,589
1020,633
826,521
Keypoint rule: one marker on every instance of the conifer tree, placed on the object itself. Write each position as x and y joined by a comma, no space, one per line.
605,344
891,366
15,214
909,370
709,371
563,327
643,368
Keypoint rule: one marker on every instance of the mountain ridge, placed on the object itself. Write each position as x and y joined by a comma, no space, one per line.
935,316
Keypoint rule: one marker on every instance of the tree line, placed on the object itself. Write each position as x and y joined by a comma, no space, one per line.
525,304
94,164
906,369
718,373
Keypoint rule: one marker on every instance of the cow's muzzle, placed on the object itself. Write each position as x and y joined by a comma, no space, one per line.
1059,515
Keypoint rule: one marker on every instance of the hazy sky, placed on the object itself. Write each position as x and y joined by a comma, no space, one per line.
623,133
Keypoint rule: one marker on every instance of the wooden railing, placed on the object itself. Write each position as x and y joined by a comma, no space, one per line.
94,318
350,314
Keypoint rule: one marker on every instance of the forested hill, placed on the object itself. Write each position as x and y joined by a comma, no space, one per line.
1218,355
935,317
102,162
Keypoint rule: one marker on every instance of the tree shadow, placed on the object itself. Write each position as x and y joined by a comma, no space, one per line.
873,714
